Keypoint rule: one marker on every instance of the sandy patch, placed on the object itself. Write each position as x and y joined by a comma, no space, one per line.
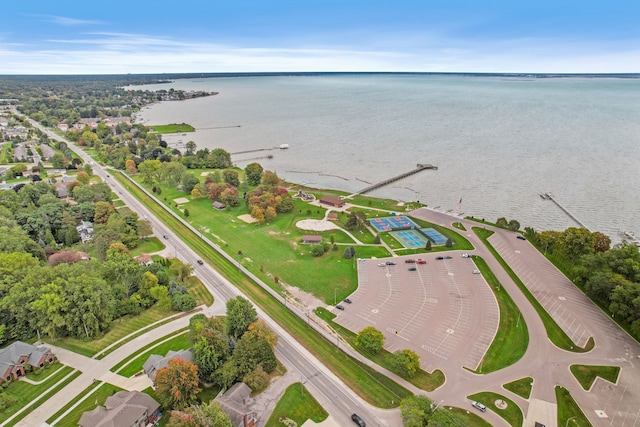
205,173
247,218
316,225
181,200
400,204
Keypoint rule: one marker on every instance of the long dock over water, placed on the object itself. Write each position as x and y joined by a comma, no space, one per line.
419,168
547,196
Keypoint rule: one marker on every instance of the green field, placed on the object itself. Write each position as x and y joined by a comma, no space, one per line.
521,387
512,414
512,338
297,404
569,413
147,246
586,374
173,128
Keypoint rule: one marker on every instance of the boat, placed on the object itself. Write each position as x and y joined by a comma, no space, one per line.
284,146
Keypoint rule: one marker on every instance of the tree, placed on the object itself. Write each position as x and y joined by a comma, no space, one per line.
231,177
240,314
349,253
270,179
190,147
206,415
370,339
103,212
317,250
252,350
144,228
253,172
449,243
195,193
502,222
260,329
575,242
181,269
513,225
416,411
406,361
257,379
177,385
602,242
219,159
189,181
130,166
149,170
428,245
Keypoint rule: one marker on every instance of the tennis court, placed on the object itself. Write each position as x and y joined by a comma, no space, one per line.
391,223
410,239
434,236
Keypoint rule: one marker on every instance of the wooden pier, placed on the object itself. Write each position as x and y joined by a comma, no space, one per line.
419,168
547,196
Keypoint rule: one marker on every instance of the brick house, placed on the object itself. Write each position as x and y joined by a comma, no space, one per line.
15,358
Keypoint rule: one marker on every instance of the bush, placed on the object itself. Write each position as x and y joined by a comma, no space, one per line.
183,302
317,250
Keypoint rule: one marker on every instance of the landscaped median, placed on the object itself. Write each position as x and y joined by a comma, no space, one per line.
384,394
501,405
557,336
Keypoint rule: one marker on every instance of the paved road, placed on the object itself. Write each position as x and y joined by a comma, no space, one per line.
605,404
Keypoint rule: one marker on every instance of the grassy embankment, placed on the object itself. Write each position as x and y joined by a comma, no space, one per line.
569,413
557,336
422,379
130,366
521,387
512,414
148,246
35,395
512,338
173,128
586,374
298,405
373,387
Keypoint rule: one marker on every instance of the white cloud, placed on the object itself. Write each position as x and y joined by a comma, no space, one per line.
66,21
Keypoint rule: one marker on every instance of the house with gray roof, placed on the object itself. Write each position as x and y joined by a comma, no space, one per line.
155,362
123,409
236,402
85,230
15,358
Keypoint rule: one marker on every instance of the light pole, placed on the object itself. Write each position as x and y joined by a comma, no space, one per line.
572,418
335,299
239,255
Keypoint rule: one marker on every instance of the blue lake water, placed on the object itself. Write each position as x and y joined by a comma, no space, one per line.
498,142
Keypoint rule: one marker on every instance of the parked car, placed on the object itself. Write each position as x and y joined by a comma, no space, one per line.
200,262
439,258
465,256
421,261
390,263
382,264
347,300
410,261
479,406
448,257
412,269
476,271
339,307
164,236
521,237
356,419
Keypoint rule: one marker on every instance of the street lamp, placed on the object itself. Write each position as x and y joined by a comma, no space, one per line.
239,255
335,299
567,423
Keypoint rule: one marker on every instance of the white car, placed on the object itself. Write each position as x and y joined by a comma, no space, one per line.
382,264
465,256
476,271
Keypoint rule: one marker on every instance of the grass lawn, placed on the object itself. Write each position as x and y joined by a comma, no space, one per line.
521,387
466,418
147,246
512,414
512,338
422,379
568,409
99,394
557,336
179,342
120,328
199,291
25,393
173,128
46,372
118,203
384,394
586,374
298,405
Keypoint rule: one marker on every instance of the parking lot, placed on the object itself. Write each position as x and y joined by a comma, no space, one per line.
441,310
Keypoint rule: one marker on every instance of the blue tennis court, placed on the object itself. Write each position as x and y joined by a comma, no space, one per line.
391,223
410,239
434,236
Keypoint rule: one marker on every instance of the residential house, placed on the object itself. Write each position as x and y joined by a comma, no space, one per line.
63,127
15,358
332,201
332,216
123,409
236,402
155,362
145,259
85,230
219,206
61,190
311,240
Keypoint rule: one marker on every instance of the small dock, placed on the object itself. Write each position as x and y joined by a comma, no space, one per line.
419,168
548,196
252,151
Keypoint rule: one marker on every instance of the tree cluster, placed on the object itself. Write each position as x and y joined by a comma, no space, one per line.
268,200
238,347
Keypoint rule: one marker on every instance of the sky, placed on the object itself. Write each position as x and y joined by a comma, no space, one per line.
140,36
